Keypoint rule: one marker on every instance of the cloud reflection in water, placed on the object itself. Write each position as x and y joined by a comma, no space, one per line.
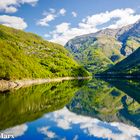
66,120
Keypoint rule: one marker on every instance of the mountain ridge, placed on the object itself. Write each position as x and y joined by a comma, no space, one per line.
106,31
120,43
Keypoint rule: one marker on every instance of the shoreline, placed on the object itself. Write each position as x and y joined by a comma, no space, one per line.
8,85
118,76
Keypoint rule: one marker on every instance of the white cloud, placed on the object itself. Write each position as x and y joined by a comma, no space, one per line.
62,27
74,14
10,9
62,11
46,20
93,127
47,132
50,15
90,24
31,2
125,17
16,131
11,6
12,21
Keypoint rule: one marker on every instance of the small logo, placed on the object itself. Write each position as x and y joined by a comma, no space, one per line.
6,136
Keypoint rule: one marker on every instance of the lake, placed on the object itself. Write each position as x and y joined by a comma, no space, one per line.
72,110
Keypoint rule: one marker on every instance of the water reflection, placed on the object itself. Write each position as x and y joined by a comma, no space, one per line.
16,131
130,87
108,101
87,127
28,104
96,109
66,125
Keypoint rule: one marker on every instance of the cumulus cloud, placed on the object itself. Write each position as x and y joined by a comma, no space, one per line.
16,131
68,33
91,24
74,14
65,119
62,27
11,6
62,11
12,21
46,20
50,15
124,16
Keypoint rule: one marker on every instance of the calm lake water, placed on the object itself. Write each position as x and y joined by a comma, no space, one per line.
73,110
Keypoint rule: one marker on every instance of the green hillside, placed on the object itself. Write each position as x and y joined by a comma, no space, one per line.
96,54
128,66
26,55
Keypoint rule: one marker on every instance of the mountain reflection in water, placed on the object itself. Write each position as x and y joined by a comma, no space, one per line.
96,109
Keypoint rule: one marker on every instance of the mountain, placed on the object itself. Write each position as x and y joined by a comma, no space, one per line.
130,66
130,37
26,55
101,50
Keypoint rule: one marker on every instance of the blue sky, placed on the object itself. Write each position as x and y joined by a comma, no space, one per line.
61,20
